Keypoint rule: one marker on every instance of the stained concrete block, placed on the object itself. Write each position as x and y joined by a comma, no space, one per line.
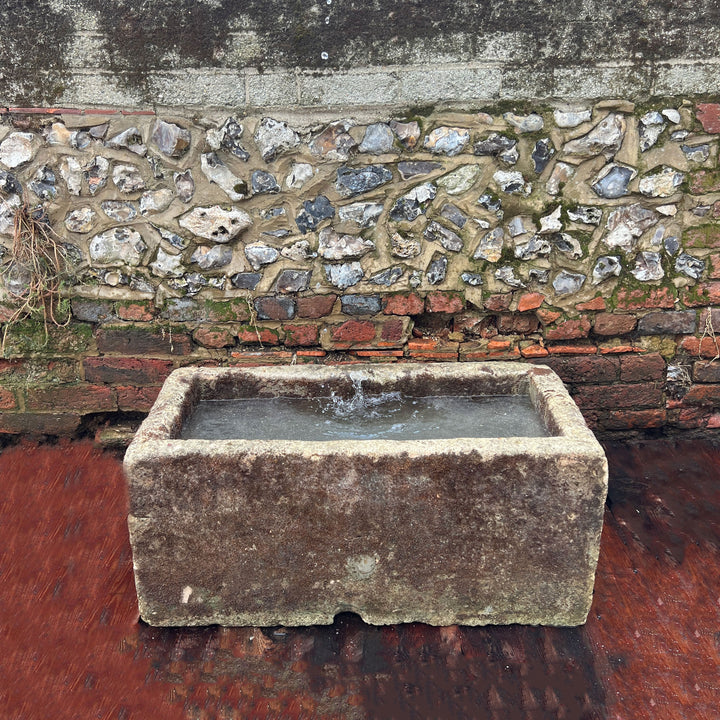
471,531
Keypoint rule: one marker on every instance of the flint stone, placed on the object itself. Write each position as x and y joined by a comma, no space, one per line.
121,245
435,232
72,172
413,204
672,244
378,139
364,214
292,281
354,181
361,304
459,181
404,246
612,181
539,275
96,174
154,201
606,138
345,275
437,269
214,223
551,223
586,214
648,267
313,213
16,278
541,154
216,171
696,153
263,182
172,140
43,184
80,220
184,185
17,148
127,179
212,258
626,224
568,245
605,267
299,174
259,255
454,215
494,144
566,282
9,184
298,251
507,275
333,246
119,211
472,279
413,168
525,123
245,280
512,183
491,203
129,139
407,133
571,119
167,264
661,184
491,245
228,138
650,133
691,266
273,138
537,246
334,142
447,141
561,173
387,277
173,238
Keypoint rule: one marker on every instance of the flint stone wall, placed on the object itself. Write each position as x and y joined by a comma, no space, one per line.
583,236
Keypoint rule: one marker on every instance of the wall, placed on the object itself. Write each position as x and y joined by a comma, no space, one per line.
271,53
587,240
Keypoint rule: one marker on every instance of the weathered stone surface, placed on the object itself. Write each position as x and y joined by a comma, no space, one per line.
512,182
447,141
507,275
214,223
130,139
273,138
404,246
313,213
680,322
561,173
80,220
299,174
378,139
128,179
180,554
291,281
344,275
171,139
661,184
73,173
542,153
612,181
387,277
408,133
167,264
585,214
648,267
153,201
626,224
454,215
413,168
435,232
571,118
299,251
414,203
333,246
494,144
17,149
605,138
459,181
354,181
259,254
689,265
437,269
360,304
118,210
121,245
364,214
566,283
217,172
96,174
525,123
212,258
334,142
245,280
491,245
228,138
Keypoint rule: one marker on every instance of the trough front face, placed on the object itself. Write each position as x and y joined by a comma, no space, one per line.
461,530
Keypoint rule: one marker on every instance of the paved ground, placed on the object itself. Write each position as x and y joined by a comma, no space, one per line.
71,645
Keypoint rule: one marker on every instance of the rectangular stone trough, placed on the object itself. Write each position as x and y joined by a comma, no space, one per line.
464,530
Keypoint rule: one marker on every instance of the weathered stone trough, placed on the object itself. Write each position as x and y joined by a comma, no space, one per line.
468,530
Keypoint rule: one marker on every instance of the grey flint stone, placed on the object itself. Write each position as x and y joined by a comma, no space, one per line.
266,533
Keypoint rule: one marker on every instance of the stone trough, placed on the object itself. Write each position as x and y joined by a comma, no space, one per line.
461,530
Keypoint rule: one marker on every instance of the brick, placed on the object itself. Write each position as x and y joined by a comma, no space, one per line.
262,357
136,399
610,325
706,372
548,316
236,309
621,349
637,395
635,368
713,421
515,323
136,311
492,350
704,181
316,306
378,353
395,330
569,330
534,351
702,236
714,266
93,311
708,348
678,322
80,398
433,349
590,369
709,116
126,371
691,418
444,302
353,331
214,336
498,303
249,334
39,423
713,316
38,371
703,395
403,304
300,335
143,340
702,295
634,419
650,298
360,304
597,303
572,349
530,301
7,399
275,308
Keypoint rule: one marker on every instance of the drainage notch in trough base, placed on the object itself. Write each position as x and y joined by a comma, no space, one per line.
444,530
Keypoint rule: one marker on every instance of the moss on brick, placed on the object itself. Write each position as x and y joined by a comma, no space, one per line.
31,337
